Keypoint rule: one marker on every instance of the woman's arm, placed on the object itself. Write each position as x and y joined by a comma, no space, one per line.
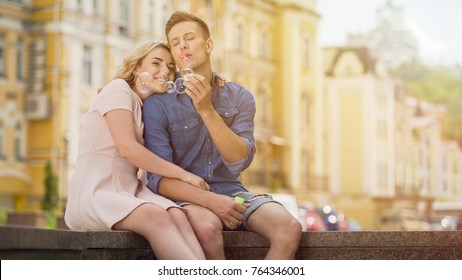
122,128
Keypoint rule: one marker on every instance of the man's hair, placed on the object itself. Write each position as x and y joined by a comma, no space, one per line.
181,16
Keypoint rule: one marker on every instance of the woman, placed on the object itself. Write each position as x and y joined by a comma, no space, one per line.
105,193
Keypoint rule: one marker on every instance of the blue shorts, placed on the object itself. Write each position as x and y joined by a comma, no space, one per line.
255,201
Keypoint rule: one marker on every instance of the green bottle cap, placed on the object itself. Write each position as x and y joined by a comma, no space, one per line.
238,199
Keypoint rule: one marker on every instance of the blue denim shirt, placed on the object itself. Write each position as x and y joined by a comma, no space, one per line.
175,131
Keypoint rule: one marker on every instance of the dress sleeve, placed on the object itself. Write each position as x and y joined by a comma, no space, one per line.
115,95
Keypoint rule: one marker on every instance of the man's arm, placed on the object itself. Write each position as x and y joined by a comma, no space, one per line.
231,146
223,206
157,141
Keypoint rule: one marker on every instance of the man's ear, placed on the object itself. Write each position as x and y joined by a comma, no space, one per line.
209,45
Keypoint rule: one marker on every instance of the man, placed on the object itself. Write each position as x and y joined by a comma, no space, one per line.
209,132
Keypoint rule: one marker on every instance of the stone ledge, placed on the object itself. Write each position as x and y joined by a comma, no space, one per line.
34,243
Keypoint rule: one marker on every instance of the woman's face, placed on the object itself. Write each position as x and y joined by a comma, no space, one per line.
160,66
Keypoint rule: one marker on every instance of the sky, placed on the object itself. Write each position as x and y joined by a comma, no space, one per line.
437,25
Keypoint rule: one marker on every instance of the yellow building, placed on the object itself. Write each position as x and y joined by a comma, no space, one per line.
15,179
73,47
54,55
282,70
331,126
360,127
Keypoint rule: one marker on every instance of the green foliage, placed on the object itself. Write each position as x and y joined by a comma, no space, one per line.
51,220
50,198
3,217
436,85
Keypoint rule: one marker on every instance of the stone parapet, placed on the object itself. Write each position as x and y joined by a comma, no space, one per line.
35,243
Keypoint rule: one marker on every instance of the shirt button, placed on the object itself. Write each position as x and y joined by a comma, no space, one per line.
210,176
210,162
226,113
185,127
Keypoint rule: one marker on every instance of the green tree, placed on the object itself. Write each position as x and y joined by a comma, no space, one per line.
436,85
50,198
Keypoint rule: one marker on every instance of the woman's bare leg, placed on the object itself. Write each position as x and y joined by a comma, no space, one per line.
185,229
156,225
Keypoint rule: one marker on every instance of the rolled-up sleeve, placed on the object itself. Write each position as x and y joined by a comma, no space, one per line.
237,167
243,125
156,137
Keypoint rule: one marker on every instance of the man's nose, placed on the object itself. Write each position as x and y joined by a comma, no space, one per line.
183,45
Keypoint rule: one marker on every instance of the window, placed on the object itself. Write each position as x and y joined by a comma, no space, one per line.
87,65
263,105
306,108
2,139
306,52
19,142
98,7
264,45
239,37
2,55
20,60
124,17
151,16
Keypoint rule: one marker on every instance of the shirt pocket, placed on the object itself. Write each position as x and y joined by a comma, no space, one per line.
185,134
228,114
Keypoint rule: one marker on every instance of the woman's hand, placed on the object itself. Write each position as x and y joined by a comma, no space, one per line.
196,181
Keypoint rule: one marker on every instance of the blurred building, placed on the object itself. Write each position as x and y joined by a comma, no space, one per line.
392,38
385,148
360,127
331,126
55,54
283,71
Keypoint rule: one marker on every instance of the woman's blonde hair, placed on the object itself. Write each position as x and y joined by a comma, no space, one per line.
134,58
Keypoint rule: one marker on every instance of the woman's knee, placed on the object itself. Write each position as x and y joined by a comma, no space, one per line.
208,229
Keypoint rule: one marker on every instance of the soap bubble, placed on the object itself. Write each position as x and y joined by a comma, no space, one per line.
144,84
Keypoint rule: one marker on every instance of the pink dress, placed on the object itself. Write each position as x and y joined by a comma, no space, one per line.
105,187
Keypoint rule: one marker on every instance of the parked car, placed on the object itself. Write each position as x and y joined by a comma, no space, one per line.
342,222
402,219
329,216
353,225
311,221
443,222
459,223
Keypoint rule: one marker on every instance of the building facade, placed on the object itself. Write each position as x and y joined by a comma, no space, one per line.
57,53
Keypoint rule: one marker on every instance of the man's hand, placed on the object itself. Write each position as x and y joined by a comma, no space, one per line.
230,212
200,92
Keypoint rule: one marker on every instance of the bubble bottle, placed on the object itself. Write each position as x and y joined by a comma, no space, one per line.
185,73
